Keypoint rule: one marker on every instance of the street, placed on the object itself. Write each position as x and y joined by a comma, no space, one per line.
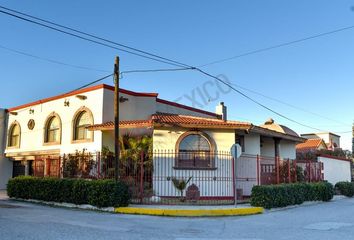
333,220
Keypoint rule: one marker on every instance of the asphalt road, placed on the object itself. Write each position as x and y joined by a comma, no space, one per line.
333,220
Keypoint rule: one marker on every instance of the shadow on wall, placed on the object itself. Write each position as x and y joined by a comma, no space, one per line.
5,164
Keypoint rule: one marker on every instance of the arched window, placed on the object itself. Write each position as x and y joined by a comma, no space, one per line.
14,135
53,130
82,121
195,151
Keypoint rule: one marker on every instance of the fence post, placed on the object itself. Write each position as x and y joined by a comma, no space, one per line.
258,174
277,164
234,180
295,167
59,166
289,173
309,174
98,155
35,167
141,176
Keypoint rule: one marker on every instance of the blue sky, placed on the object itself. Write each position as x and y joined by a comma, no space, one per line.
316,75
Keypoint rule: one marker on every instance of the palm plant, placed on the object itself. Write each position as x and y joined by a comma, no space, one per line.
181,184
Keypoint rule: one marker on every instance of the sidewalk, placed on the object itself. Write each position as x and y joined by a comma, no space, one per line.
3,195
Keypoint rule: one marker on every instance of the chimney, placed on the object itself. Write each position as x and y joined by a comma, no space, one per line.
221,110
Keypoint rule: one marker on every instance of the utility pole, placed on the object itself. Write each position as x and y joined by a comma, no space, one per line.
116,118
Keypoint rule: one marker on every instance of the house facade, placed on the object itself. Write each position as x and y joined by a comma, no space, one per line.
200,141
320,145
5,163
331,140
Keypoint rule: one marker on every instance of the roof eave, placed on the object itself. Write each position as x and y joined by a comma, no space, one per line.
272,133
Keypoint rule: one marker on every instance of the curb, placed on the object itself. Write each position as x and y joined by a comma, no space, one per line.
190,212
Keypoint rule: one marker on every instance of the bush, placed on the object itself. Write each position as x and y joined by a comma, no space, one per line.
345,188
100,193
270,196
104,193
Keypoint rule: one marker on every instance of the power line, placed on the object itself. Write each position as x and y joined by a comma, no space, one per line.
51,60
172,62
255,101
94,36
78,88
156,70
290,105
91,83
87,39
278,46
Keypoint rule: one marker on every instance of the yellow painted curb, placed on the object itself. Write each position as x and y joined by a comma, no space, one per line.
190,212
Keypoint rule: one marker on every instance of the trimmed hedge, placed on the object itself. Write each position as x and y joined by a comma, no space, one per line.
345,188
271,196
99,193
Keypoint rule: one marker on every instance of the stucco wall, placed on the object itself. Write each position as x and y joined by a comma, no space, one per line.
219,181
33,140
252,144
165,138
162,107
287,149
246,173
5,164
335,170
136,107
267,148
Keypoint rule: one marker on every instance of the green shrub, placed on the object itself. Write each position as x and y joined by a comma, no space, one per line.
345,188
104,193
100,193
270,196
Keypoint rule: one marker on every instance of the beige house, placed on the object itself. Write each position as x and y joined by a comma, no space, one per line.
43,130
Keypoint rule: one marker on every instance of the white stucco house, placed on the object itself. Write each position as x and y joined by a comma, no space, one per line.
335,168
200,140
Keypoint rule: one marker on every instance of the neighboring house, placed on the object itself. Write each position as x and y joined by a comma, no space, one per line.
311,145
199,140
335,168
332,140
5,163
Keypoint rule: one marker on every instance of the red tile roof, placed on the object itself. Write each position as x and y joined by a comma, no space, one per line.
122,124
309,144
184,120
164,119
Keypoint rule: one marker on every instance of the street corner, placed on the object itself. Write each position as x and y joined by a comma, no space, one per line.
188,212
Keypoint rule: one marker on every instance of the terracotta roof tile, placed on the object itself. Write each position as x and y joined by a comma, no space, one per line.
161,119
122,124
183,120
309,144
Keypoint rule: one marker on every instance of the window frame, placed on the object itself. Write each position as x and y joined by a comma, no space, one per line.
48,121
196,160
77,115
10,135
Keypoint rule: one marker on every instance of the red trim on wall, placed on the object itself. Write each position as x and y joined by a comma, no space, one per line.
84,90
108,87
334,157
187,107
220,198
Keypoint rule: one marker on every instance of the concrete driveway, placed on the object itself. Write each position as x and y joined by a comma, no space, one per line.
333,220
